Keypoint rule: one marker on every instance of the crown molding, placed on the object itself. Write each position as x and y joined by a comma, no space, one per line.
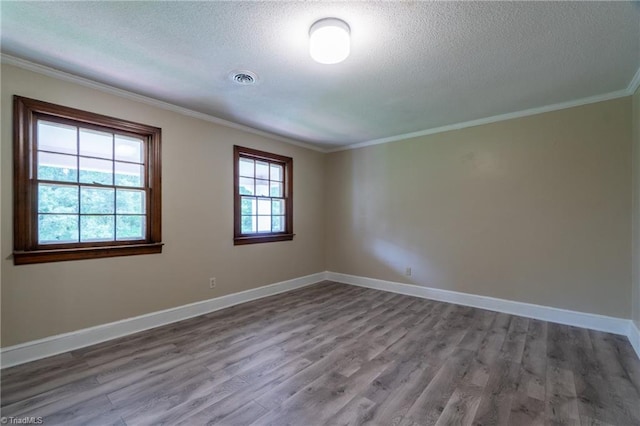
62,75
496,118
634,83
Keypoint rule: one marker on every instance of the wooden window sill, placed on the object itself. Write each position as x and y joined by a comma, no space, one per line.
78,253
255,239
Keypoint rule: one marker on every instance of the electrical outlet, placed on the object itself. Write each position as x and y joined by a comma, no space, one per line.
212,282
407,272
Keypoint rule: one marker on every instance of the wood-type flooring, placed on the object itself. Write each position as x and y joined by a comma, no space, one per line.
335,354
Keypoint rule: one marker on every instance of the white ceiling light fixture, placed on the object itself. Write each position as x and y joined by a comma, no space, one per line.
329,41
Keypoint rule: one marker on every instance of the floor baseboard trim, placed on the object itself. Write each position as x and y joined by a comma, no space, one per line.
53,345
608,324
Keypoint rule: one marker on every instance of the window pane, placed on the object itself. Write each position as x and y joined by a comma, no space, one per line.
261,211
66,179
58,167
130,201
57,198
128,149
57,137
246,186
262,188
96,171
96,200
248,206
264,223
96,228
276,189
276,172
277,223
277,207
130,227
248,224
246,167
264,206
129,174
96,144
262,170
57,228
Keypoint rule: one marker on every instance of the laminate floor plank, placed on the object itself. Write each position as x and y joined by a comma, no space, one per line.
395,406
528,407
62,376
21,373
355,412
323,397
561,403
245,415
478,330
526,410
596,396
117,368
68,390
233,317
216,412
628,359
513,346
532,380
234,333
497,397
494,339
97,410
622,391
431,403
147,407
396,390
461,407
333,354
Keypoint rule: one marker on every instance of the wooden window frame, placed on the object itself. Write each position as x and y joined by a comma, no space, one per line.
27,249
263,237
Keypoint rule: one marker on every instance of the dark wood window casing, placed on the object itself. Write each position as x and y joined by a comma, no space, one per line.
29,114
263,196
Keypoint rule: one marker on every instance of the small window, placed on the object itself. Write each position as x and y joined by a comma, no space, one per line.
85,185
263,197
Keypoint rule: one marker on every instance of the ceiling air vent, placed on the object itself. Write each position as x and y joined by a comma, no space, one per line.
244,78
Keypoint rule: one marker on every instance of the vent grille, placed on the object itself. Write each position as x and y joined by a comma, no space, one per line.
244,78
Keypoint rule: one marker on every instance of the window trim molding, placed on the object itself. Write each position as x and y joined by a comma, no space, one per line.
242,239
26,249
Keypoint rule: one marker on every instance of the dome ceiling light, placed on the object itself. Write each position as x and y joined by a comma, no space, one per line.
329,41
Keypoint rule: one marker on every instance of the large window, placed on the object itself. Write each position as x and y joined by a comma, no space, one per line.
85,185
263,196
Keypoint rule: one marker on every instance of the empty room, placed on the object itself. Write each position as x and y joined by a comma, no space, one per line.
320,213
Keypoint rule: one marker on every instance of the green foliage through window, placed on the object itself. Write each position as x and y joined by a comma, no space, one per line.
93,196
105,214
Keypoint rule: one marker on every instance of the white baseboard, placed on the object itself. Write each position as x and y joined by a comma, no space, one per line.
53,345
546,313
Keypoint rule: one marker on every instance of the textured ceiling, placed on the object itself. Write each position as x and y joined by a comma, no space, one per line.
413,65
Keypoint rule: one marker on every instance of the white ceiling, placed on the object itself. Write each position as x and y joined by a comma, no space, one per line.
413,65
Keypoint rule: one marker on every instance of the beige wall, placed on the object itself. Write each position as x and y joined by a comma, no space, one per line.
636,207
535,209
47,299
